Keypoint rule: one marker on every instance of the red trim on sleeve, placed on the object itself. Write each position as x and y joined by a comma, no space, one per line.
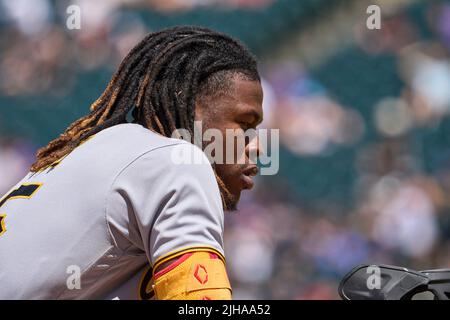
213,255
173,265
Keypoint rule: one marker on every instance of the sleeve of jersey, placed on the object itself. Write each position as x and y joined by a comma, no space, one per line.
193,276
175,201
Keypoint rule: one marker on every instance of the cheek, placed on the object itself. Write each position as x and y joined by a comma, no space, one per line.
233,139
233,148
230,173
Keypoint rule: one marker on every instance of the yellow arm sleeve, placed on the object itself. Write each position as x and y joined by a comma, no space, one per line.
193,276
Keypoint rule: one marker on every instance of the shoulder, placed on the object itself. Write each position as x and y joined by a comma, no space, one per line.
153,157
134,136
179,161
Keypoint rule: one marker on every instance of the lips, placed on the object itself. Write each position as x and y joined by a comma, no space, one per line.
247,175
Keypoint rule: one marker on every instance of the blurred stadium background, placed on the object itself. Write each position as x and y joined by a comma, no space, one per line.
364,118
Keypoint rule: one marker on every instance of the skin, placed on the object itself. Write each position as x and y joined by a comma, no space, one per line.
240,107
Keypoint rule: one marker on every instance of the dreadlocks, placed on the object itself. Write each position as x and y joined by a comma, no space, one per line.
158,82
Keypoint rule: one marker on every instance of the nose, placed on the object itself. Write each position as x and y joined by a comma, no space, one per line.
254,149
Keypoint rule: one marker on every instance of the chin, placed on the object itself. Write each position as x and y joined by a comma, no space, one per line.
233,188
232,201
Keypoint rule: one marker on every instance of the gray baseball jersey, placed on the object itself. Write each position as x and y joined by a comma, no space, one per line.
91,225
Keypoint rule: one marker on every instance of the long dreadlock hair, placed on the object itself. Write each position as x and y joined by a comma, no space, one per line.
158,82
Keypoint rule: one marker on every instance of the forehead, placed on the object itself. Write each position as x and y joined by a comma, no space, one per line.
247,96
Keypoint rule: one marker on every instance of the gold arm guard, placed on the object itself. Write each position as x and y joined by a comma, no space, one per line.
194,276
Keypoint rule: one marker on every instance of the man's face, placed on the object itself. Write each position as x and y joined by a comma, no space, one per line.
238,109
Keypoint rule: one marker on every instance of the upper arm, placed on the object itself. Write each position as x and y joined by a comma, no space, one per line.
190,214
169,208
173,212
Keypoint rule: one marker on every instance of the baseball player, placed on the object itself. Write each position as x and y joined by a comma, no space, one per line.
105,212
